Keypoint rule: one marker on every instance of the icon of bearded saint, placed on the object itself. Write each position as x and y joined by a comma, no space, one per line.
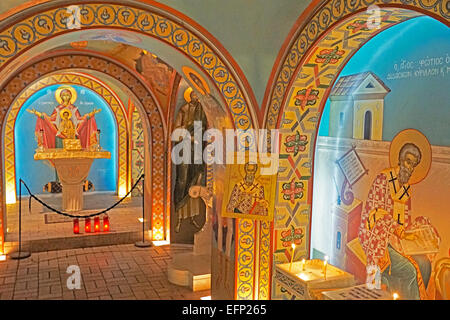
386,219
247,196
50,129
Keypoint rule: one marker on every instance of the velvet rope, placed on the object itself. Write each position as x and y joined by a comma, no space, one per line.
75,216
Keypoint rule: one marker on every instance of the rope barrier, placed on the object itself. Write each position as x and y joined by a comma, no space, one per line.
75,216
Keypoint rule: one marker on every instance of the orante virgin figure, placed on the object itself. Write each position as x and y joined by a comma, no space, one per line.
51,130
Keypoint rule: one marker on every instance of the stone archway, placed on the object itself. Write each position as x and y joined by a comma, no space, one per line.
312,59
60,61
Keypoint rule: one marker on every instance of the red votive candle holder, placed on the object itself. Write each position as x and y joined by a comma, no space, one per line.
105,223
96,224
76,226
87,225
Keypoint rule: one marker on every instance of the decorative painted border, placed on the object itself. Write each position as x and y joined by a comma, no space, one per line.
71,79
324,15
137,150
265,260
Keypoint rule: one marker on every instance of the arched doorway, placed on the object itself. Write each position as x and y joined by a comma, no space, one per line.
44,231
367,125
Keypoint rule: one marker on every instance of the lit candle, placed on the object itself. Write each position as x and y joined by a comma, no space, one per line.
395,296
105,223
292,256
303,264
87,225
96,224
324,270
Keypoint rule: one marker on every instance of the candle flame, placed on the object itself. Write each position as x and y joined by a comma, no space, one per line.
293,246
395,296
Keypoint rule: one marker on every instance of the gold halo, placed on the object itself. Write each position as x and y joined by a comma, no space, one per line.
71,89
188,72
65,110
416,137
241,167
187,94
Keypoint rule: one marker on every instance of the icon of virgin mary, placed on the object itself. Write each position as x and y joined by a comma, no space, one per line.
52,129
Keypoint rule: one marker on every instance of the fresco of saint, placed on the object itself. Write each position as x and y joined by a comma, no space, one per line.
387,224
188,175
247,196
65,122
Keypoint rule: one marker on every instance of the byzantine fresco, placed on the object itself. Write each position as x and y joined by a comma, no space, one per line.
382,164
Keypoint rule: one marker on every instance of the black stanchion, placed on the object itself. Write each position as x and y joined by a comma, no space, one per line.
20,254
143,243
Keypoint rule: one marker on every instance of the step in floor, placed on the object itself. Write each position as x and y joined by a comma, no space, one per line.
44,230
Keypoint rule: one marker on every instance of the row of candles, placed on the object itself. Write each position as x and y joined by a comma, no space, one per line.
395,295
88,227
324,268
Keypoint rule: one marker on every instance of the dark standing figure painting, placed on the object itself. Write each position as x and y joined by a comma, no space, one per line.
188,175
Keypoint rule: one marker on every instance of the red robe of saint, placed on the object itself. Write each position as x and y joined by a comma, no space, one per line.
385,217
86,127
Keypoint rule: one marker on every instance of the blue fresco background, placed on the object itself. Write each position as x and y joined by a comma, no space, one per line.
103,172
422,103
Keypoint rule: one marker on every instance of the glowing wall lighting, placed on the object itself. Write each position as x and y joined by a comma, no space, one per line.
157,222
160,243
122,191
10,194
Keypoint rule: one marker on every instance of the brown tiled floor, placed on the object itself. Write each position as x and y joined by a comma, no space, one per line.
110,272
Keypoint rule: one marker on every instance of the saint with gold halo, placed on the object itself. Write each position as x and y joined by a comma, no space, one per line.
247,196
387,225
65,122
189,175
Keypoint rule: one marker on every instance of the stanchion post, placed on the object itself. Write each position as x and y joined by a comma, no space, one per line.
143,243
20,254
